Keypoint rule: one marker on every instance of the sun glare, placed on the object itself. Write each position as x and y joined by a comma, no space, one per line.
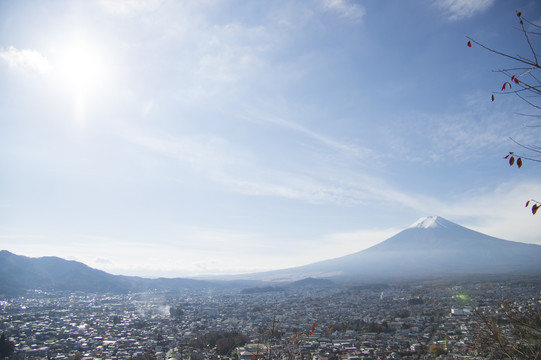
81,69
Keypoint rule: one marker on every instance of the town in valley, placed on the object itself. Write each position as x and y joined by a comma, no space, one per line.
433,319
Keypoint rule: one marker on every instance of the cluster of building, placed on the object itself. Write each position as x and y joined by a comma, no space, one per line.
321,323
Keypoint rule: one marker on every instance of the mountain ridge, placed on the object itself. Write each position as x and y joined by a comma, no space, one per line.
431,247
21,273
429,222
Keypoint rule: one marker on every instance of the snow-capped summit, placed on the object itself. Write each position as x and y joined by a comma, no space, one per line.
428,222
432,247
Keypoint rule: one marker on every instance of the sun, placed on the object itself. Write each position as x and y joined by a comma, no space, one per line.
82,69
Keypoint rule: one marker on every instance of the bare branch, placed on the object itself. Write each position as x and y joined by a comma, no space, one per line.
525,84
504,54
530,115
533,24
527,101
528,40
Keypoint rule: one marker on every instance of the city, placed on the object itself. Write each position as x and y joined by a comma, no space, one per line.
397,321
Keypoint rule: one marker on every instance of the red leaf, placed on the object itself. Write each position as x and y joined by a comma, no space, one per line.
469,43
519,14
507,156
505,85
511,160
521,22
534,208
492,97
519,162
515,79
527,203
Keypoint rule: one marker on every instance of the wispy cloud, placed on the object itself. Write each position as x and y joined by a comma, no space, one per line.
216,159
240,170
231,52
347,148
451,137
26,59
345,8
19,236
129,7
462,9
499,212
203,152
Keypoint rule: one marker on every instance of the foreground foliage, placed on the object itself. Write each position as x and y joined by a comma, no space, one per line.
523,80
511,332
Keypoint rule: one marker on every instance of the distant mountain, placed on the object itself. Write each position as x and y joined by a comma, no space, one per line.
311,282
432,247
304,283
21,273
262,289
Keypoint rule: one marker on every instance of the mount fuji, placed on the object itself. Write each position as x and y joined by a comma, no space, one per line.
431,248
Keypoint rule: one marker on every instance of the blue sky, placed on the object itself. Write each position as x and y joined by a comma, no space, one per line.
182,138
